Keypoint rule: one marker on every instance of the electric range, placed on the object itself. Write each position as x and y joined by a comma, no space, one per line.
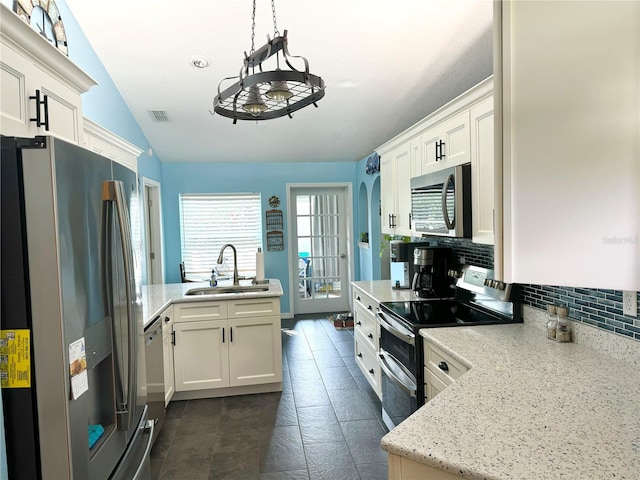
479,300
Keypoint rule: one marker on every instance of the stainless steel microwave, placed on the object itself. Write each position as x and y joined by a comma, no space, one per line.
441,202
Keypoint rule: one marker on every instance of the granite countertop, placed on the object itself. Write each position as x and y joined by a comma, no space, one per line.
528,408
155,298
382,291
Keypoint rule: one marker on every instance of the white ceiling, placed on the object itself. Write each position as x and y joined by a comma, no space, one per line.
386,64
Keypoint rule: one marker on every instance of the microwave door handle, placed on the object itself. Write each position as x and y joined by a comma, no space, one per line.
445,214
384,366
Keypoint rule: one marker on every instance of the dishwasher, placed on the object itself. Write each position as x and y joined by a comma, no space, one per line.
155,374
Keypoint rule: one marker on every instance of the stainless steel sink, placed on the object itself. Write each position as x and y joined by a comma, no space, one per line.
227,289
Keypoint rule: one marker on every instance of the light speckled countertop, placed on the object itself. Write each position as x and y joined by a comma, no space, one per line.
155,298
381,290
528,408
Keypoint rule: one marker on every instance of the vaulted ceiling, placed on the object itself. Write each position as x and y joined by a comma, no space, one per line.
386,65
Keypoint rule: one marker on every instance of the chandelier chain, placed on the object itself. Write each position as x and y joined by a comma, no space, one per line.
276,33
253,29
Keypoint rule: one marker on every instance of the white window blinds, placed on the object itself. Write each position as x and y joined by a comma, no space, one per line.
209,221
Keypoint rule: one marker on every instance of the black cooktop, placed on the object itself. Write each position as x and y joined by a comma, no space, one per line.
416,314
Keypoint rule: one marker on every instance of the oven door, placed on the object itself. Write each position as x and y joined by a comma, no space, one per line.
399,390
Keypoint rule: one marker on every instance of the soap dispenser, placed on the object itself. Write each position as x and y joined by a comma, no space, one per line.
213,281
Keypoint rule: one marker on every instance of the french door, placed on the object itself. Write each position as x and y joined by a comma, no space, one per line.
319,247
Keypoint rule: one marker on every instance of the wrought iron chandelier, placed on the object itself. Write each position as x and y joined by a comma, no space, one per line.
264,95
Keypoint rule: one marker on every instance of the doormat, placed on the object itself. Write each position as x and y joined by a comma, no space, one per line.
342,321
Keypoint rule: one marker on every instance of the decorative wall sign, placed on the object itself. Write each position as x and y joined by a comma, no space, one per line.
274,219
274,201
275,241
373,164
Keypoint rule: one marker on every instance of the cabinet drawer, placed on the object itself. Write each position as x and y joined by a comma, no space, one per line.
254,307
441,364
367,362
432,385
366,326
198,311
366,302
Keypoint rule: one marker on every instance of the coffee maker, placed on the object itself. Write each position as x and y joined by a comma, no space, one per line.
401,258
431,278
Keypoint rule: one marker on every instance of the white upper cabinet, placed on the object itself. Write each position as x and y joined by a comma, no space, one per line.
395,190
445,145
40,87
571,142
482,171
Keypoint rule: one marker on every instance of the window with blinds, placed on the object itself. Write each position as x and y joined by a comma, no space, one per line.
209,221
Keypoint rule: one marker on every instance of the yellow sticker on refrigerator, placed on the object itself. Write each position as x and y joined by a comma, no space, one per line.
15,358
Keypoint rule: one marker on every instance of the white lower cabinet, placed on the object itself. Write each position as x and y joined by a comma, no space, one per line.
231,343
366,337
167,354
440,370
401,468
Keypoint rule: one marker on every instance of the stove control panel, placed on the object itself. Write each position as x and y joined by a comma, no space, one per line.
481,280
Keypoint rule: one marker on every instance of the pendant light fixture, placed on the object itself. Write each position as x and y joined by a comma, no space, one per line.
268,94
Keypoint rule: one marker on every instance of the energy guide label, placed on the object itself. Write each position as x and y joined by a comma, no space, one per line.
15,359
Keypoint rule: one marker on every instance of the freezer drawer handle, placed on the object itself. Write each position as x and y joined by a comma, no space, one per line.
409,338
148,425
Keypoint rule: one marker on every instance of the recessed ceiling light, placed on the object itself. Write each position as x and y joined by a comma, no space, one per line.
199,61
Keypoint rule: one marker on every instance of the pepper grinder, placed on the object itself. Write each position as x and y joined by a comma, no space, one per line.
552,323
563,332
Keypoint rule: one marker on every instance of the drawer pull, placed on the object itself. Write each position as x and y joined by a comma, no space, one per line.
360,355
358,297
369,307
167,319
370,336
358,323
372,371
443,366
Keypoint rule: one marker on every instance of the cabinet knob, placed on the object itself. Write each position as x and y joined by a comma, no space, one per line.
167,319
358,297
443,366
371,371
369,307
370,335
360,355
358,323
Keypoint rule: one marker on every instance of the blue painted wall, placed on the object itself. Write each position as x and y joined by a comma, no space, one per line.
266,178
369,259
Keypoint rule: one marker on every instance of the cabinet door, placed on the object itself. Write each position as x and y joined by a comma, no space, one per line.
255,351
387,199
167,355
482,171
428,141
402,167
201,355
571,143
457,141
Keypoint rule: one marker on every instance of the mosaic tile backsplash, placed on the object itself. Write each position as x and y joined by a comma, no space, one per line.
597,307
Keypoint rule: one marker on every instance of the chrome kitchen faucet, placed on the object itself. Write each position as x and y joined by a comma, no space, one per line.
236,281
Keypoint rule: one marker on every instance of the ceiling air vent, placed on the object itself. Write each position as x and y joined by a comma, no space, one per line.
159,116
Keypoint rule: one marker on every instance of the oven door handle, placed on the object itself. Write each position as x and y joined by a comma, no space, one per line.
409,338
410,389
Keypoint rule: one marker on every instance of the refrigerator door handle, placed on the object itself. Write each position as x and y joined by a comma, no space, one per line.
113,191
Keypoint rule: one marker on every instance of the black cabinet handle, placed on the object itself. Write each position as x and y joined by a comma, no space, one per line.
410,218
443,366
167,319
231,334
370,336
358,323
369,307
371,371
173,338
360,355
437,153
222,334
358,298
39,104
442,155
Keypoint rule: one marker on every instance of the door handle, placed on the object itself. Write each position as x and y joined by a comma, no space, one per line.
342,255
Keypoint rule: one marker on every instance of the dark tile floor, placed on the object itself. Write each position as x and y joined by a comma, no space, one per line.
325,424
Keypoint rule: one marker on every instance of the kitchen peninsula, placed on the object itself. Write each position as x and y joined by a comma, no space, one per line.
217,344
527,408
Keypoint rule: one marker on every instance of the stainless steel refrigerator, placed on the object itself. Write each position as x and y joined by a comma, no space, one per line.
72,342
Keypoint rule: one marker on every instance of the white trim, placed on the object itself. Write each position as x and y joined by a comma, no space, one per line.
26,41
103,134
347,187
147,182
462,102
